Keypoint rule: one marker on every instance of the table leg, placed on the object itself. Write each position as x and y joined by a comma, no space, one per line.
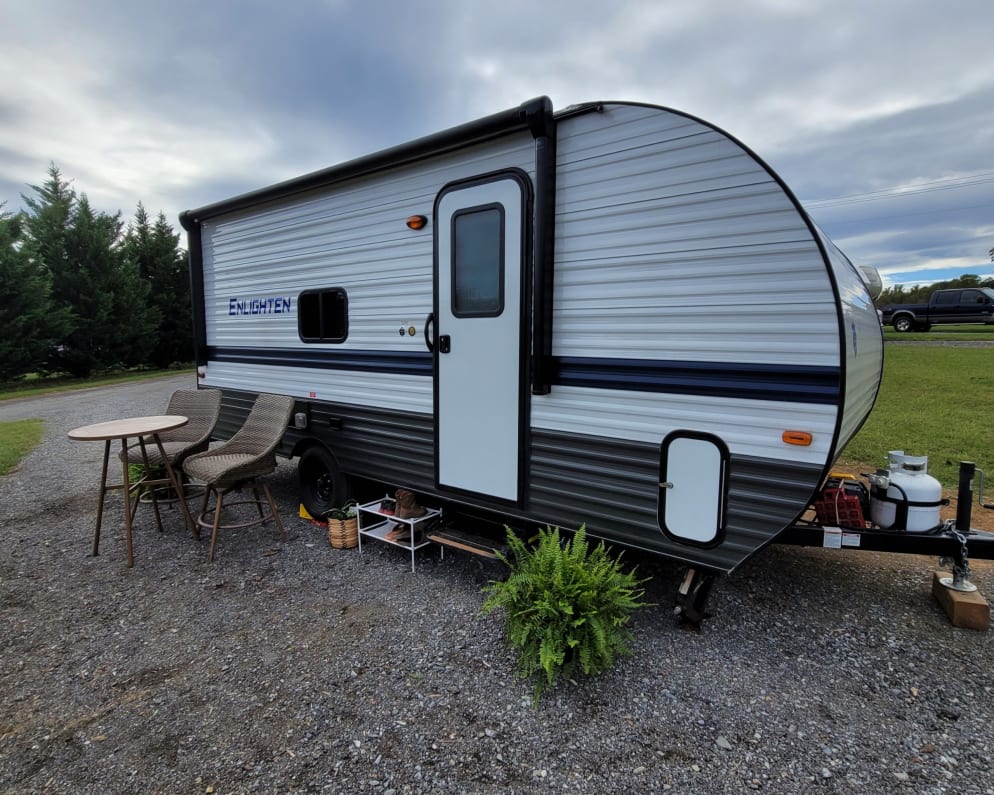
177,485
100,503
127,502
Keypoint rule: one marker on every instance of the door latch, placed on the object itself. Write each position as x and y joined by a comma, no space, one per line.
444,343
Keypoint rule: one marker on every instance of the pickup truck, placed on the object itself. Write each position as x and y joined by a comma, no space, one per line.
961,305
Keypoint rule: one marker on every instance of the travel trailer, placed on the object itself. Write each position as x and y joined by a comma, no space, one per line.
615,315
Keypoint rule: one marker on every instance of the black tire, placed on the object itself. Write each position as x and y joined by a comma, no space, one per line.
903,323
322,484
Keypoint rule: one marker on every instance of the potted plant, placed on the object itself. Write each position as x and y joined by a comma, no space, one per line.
343,526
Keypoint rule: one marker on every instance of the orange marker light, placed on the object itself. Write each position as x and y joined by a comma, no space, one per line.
417,222
800,438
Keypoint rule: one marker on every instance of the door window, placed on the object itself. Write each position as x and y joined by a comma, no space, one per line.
478,262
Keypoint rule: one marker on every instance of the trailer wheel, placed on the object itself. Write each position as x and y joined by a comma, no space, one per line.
903,323
322,484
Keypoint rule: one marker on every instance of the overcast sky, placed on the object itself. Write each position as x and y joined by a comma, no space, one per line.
879,116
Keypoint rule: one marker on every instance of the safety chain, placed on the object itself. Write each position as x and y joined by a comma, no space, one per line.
961,566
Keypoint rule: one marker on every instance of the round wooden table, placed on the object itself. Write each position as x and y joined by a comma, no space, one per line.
139,428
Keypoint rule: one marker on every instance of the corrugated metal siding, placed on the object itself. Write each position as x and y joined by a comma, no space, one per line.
611,486
748,427
407,393
389,446
864,344
673,242
353,237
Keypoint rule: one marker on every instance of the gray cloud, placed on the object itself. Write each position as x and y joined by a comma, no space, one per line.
182,104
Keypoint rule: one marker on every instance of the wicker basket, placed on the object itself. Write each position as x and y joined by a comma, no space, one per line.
343,533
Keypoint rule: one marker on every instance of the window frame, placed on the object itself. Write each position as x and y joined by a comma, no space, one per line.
341,324
502,260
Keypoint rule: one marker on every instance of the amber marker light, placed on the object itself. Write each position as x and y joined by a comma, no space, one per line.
800,438
417,222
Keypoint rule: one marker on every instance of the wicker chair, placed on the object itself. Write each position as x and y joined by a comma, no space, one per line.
202,407
237,463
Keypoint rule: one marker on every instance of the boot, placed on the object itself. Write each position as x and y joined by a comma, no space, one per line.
407,506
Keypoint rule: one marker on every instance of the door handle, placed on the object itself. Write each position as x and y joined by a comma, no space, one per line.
444,343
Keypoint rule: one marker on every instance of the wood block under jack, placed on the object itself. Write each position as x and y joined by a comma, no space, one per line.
965,608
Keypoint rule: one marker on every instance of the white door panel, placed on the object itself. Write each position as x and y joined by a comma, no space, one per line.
479,280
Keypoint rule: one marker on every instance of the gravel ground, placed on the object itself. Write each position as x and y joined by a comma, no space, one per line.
293,667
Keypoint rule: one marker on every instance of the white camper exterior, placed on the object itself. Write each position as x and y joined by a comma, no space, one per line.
615,315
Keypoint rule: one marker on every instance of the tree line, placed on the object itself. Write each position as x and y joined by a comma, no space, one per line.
899,294
84,293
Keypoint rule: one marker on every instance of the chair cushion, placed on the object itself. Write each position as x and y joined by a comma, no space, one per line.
222,469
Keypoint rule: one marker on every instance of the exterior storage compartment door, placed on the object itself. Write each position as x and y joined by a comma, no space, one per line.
693,488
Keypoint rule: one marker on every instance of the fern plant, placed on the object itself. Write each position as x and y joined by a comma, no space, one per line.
567,606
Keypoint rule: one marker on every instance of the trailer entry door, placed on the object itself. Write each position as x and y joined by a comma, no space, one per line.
479,240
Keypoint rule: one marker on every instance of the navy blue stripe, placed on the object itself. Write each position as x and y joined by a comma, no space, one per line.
403,362
792,383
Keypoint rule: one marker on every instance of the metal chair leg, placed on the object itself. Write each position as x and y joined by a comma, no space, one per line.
145,476
272,508
258,500
217,522
203,504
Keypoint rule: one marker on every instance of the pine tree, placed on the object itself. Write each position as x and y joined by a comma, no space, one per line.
154,250
47,221
28,326
114,325
93,285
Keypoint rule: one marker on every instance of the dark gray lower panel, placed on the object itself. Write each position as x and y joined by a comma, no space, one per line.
612,487
389,446
609,485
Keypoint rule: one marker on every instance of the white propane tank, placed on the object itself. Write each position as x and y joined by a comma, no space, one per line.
912,487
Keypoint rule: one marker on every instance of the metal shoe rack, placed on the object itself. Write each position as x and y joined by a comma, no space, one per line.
373,523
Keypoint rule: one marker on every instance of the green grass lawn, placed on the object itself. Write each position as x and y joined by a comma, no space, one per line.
17,439
936,401
33,387
968,333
